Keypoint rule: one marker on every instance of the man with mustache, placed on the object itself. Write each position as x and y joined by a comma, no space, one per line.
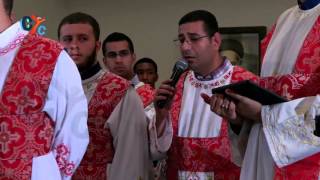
201,146
43,110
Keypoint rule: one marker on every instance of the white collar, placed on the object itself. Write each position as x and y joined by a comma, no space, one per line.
11,33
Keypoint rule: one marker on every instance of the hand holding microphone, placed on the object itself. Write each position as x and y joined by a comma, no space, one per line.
165,94
166,90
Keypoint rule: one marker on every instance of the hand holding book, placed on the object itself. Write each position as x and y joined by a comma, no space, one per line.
242,100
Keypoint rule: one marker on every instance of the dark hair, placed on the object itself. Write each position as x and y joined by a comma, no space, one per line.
145,60
209,20
116,36
80,17
8,5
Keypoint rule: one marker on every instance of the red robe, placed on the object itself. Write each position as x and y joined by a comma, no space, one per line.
25,130
202,154
146,93
109,92
303,81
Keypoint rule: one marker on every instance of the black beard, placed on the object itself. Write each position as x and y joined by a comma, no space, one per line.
90,61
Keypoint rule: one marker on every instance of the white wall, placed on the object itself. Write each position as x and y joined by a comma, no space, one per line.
152,25
52,10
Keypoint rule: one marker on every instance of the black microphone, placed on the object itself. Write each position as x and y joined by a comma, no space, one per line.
180,67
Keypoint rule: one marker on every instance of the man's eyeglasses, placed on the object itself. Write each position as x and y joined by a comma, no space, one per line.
122,53
190,40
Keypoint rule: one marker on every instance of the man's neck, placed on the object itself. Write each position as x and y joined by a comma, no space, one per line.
5,21
91,71
308,4
129,76
217,63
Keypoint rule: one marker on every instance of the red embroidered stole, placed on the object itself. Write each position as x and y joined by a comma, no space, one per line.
202,154
25,130
110,90
146,93
304,81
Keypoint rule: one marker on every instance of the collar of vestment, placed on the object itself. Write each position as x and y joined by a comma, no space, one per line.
90,71
222,69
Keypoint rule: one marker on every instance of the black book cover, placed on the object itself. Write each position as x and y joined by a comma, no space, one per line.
253,91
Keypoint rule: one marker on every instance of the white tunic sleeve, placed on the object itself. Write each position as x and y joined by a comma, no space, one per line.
66,104
159,145
288,128
128,126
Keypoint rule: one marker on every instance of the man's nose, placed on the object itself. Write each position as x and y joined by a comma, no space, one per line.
118,59
74,44
185,45
144,76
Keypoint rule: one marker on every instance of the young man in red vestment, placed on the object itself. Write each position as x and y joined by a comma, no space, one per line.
118,127
119,58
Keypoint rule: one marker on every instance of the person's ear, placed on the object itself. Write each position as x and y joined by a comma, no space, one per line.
98,46
13,17
134,58
216,40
